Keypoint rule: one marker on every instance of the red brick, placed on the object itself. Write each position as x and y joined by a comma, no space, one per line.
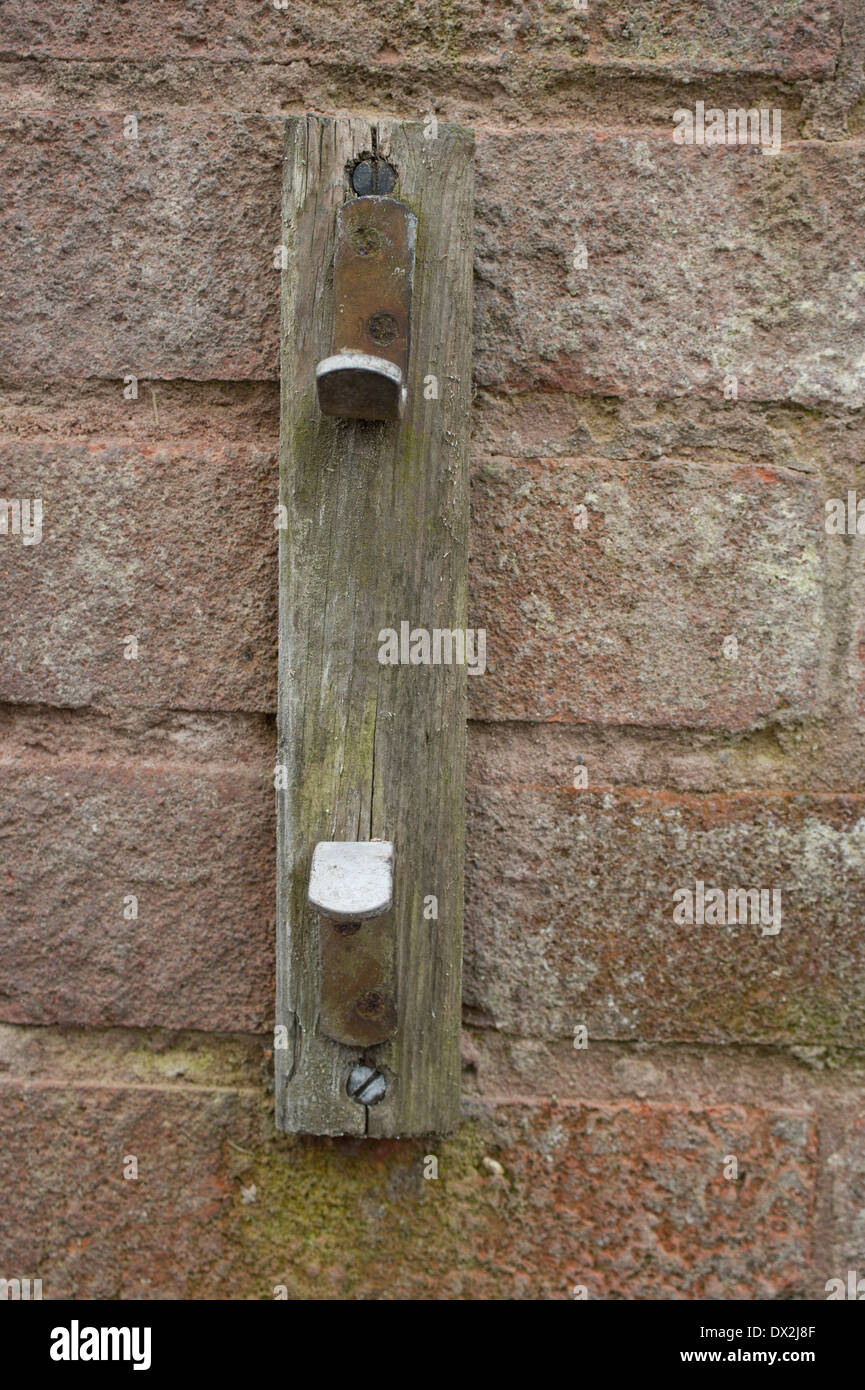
155,256
623,622
629,1201
702,262
560,425
194,845
845,1168
74,1220
839,544
803,40
569,915
620,623
152,256
173,544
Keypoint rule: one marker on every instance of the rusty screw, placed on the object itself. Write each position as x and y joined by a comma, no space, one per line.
365,241
370,1005
347,928
366,1085
382,328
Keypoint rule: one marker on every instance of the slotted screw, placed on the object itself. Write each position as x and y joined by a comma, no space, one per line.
366,1085
373,175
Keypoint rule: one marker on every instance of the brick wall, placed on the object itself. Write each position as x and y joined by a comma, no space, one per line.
604,397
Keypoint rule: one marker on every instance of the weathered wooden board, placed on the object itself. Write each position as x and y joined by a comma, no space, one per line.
376,535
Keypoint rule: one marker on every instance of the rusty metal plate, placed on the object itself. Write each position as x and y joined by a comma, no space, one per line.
373,268
358,1005
351,888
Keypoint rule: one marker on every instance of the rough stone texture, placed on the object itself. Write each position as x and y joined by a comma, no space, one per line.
156,257
625,1200
798,38
524,92
845,1168
701,263
629,1201
173,545
164,411
87,1231
624,621
193,844
521,426
541,424
855,549
824,756
834,107
570,915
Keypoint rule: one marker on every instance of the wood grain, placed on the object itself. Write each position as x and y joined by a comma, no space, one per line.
376,535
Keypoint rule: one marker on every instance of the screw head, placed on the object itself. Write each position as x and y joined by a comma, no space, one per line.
347,928
366,1085
382,328
373,175
370,1005
365,241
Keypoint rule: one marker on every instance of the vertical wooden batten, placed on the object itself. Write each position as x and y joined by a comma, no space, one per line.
376,536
